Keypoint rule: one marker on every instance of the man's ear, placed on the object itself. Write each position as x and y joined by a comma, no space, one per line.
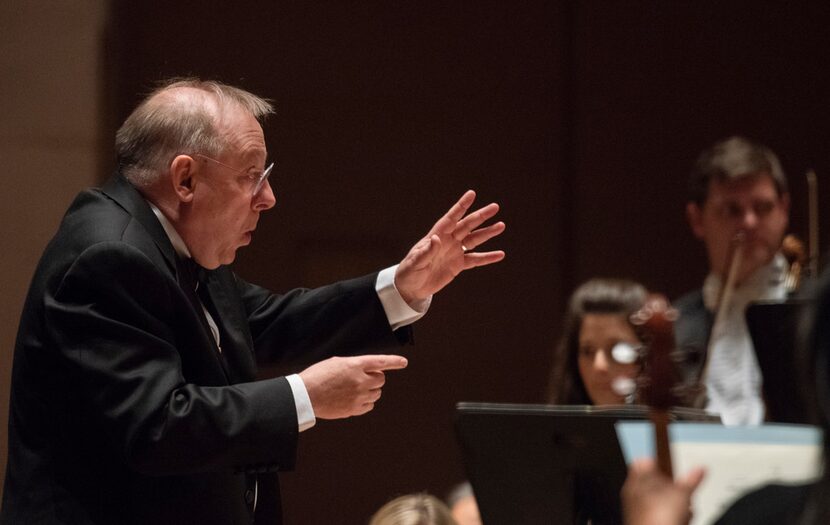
695,217
181,177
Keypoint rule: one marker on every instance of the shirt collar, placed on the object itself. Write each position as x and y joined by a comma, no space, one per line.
766,283
175,239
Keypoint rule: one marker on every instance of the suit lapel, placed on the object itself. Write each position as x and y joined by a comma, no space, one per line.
125,195
237,345
122,192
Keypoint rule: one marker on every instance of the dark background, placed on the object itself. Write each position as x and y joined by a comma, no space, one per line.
581,119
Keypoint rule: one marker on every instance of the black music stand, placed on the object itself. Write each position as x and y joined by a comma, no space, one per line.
774,329
537,464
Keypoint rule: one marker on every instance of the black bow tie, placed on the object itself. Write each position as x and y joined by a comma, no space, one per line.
193,280
192,276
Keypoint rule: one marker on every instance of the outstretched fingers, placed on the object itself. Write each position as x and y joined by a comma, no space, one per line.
465,226
480,236
474,259
447,223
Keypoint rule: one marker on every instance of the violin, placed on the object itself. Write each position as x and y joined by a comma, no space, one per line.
657,381
795,252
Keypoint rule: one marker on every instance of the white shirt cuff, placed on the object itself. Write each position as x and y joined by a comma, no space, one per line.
397,310
305,412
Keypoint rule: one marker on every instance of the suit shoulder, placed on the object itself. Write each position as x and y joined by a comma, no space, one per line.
95,225
93,217
694,323
689,302
109,262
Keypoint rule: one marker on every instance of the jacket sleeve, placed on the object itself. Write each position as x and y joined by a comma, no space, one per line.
345,318
117,321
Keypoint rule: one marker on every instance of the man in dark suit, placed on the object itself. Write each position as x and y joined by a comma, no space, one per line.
134,393
737,187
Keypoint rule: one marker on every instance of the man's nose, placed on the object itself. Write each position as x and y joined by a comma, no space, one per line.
749,219
264,199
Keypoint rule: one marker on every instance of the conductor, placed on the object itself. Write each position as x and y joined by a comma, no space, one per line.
134,397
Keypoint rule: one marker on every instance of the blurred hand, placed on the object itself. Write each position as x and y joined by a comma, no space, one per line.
446,250
651,498
341,387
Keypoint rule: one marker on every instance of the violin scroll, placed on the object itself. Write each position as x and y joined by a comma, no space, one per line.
796,254
658,378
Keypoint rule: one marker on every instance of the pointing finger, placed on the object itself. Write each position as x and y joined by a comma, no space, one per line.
381,362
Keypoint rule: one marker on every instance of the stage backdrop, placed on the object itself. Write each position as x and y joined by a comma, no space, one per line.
581,119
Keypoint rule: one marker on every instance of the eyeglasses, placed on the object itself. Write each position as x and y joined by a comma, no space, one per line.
621,353
257,179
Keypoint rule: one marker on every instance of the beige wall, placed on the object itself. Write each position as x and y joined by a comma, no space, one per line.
50,56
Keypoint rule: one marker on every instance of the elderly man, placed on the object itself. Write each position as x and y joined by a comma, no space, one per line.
134,392
737,188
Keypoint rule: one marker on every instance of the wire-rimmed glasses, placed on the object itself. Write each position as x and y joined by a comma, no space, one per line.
257,179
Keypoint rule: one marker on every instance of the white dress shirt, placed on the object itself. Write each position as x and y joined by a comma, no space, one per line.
733,378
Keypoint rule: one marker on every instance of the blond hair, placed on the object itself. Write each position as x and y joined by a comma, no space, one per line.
414,509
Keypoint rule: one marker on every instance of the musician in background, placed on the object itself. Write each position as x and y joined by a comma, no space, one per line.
736,187
586,370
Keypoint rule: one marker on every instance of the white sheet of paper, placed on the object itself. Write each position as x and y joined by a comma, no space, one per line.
737,459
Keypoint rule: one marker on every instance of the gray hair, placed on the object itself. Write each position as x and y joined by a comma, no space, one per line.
732,159
180,116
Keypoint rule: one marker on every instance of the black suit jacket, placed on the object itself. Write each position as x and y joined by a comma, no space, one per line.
691,332
122,409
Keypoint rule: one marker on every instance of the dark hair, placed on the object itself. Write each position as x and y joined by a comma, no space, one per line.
597,296
733,159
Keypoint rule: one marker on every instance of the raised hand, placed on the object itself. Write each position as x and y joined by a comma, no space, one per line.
341,387
447,250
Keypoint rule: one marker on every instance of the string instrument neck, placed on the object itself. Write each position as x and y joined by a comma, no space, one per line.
659,376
